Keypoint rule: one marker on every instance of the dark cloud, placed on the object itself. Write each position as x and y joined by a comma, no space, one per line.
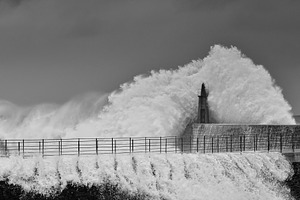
269,16
10,3
204,5
86,28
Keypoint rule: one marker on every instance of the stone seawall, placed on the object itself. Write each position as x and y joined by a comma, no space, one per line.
237,129
235,137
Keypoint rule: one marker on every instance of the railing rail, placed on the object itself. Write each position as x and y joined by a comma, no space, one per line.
173,144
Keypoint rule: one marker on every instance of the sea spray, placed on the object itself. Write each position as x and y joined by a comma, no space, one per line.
242,92
162,103
48,120
158,176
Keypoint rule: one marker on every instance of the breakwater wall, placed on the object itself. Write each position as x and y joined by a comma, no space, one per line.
281,138
238,129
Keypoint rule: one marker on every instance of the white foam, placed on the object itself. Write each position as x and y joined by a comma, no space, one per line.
162,103
168,176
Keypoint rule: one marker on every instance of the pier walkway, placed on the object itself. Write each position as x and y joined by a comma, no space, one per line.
287,144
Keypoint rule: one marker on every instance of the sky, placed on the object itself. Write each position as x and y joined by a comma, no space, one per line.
53,50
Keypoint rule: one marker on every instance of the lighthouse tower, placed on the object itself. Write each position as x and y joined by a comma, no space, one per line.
203,112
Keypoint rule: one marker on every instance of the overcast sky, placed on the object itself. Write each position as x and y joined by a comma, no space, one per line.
53,50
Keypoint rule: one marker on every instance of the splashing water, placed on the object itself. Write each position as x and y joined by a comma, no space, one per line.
166,101
162,103
48,120
172,177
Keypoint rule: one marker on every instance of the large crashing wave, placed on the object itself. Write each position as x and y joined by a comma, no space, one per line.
164,102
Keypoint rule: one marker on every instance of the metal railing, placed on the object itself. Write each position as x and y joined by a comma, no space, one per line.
279,142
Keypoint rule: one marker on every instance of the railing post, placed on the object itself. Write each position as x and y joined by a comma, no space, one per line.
115,146
5,147
226,143
159,144
218,145
23,148
19,147
58,148
296,141
181,139
130,145
145,144
175,144
268,140
190,144
39,147
293,142
244,142
96,146
241,144
61,147
197,144
112,145
43,147
254,143
212,144
78,147
166,146
231,143
149,145
280,142
204,144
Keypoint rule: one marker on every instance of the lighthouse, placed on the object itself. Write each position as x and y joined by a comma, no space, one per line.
203,111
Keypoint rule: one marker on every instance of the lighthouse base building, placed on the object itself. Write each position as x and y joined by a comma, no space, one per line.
207,137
